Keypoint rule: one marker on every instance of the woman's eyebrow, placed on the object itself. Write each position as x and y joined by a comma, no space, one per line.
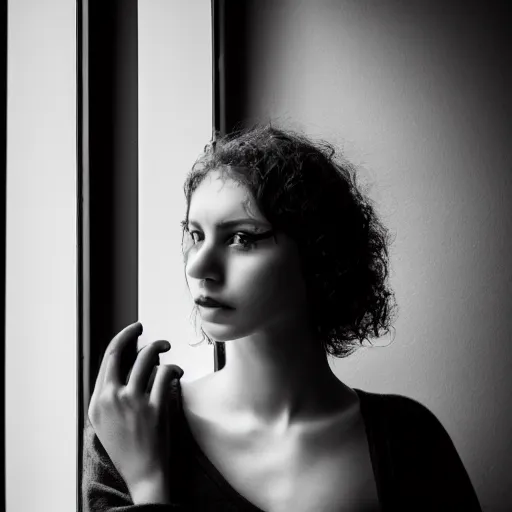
225,224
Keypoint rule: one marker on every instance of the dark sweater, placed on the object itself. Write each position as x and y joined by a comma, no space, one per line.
415,464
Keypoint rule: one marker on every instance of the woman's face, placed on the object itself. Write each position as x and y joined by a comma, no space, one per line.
259,279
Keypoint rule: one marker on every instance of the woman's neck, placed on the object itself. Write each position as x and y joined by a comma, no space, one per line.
279,379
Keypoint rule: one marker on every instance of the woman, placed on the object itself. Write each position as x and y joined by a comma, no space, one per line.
287,262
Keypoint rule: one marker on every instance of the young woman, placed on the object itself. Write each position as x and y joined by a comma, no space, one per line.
287,262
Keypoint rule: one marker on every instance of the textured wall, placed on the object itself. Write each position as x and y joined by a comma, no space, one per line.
415,93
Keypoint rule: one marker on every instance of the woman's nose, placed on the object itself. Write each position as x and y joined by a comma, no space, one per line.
203,263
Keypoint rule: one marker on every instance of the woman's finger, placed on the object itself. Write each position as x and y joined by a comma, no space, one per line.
160,391
114,350
146,360
152,377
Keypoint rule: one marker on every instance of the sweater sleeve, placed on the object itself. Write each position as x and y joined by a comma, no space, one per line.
434,476
103,488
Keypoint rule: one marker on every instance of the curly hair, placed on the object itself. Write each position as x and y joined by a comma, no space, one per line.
309,192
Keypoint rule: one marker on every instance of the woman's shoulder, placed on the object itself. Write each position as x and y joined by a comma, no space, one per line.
394,407
404,423
412,448
403,420
199,397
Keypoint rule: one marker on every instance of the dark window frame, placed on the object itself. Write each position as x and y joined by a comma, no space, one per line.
107,187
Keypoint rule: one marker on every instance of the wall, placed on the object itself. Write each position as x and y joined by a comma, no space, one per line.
415,93
40,431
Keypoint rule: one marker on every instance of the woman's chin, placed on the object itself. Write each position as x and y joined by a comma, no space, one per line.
221,333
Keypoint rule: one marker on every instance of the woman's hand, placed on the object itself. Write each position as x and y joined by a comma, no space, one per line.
132,419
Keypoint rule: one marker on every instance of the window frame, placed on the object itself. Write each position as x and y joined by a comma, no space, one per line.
107,188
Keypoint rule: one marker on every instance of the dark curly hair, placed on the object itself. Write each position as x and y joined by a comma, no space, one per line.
306,192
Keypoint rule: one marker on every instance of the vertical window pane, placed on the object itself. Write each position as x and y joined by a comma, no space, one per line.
175,123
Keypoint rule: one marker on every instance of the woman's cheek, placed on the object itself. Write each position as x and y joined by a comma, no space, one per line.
273,284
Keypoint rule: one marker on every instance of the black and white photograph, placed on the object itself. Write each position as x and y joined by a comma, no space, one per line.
256,256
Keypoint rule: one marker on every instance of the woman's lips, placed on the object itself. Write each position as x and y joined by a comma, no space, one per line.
208,302
213,311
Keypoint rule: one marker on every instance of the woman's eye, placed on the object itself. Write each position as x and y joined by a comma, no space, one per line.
190,239
244,240
195,235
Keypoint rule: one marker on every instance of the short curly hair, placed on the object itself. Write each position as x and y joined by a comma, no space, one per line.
309,192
